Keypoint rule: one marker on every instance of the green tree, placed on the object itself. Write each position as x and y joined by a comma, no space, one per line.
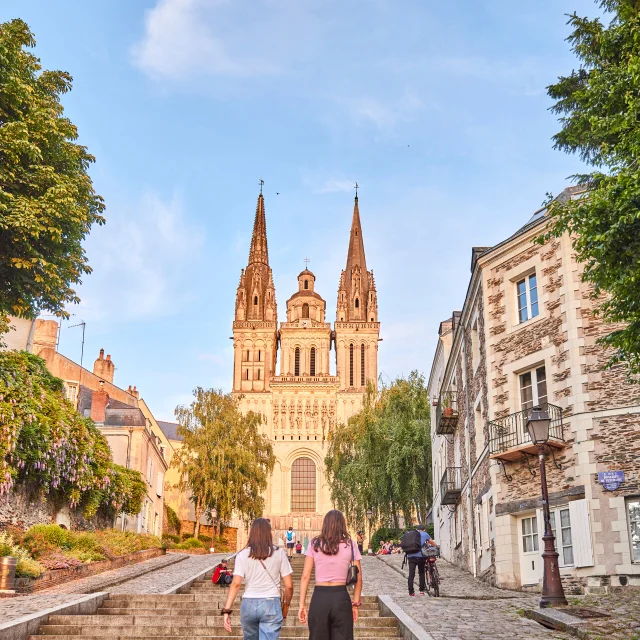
381,461
224,461
47,200
598,105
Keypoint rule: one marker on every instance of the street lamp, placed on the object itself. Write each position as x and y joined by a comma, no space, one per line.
552,591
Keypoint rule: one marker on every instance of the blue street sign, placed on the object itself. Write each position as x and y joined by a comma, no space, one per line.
611,480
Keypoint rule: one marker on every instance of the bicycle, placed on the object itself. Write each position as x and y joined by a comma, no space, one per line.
433,577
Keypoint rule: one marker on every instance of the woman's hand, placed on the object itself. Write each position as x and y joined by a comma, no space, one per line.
302,614
227,623
355,613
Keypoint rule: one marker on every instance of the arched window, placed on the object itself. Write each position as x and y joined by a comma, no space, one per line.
306,284
312,361
259,356
351,365
357,303
296,370
255,301
305,310
303,485
362,378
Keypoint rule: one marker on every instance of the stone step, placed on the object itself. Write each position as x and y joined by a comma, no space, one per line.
236,632
301,631
164,600
185,622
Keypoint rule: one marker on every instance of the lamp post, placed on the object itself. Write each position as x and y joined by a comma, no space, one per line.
552,591
369,515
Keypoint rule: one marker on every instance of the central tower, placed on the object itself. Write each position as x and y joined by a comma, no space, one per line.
304,402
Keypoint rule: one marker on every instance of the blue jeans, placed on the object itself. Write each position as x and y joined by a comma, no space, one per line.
261,618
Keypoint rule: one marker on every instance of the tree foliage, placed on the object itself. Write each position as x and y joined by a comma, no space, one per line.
47,200
382,459
598,105
51,449
224,461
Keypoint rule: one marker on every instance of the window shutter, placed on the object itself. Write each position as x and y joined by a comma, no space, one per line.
581,533
485,519
159,483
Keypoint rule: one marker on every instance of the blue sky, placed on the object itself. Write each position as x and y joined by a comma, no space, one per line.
437,109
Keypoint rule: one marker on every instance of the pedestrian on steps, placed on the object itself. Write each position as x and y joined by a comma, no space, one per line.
332,613
260,565
290,536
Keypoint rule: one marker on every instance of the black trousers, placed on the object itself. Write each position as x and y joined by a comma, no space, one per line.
421,564
330,614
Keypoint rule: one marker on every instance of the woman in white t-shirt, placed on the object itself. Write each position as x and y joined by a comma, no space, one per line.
260,565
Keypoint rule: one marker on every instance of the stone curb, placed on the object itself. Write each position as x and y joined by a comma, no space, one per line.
22,628
560,621
185,584
408,627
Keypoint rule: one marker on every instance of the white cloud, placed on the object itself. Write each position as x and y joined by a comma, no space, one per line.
141,260
336,186
383,114
188,38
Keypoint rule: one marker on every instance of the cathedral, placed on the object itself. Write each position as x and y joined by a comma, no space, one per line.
283,371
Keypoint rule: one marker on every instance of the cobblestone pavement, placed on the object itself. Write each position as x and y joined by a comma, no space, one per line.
623,605
467,610
159,574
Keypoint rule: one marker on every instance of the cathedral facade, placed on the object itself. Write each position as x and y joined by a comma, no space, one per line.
283,371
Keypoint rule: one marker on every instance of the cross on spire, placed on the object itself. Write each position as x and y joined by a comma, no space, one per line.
306,263
356,188
261,183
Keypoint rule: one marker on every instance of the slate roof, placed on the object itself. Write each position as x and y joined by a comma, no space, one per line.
170,430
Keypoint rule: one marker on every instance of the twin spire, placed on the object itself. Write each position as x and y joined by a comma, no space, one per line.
259,251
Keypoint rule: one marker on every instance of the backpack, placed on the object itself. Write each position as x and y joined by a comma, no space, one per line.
289,536
410,542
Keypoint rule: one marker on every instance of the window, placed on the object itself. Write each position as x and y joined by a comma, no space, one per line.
351,365
248,357
305,310
258,374
303,485
71,392
255,301
312,361
633,514
159,483
259,356
306,284
530,534
479,430
475,347
246,375
533,388
149,469
357,303
564,543
362,354
296,370
527,290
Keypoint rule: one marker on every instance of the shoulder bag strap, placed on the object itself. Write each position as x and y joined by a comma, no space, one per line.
264,566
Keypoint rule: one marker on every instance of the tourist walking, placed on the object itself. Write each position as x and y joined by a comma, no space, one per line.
260,565
336,559
412,543
290,537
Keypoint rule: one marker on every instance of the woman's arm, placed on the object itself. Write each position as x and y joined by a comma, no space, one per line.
236,583
304,585
357,591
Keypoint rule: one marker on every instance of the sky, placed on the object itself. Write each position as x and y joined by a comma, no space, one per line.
437,109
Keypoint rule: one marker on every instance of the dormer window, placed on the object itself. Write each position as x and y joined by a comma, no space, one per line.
306,284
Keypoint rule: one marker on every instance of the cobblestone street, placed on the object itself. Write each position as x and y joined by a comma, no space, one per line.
467,609
158,575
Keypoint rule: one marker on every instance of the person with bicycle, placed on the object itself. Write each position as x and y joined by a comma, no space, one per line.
416,559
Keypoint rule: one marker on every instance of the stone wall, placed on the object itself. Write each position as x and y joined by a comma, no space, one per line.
21,510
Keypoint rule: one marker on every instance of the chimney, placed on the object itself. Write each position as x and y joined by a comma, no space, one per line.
133,391
104,368
99,402
45,335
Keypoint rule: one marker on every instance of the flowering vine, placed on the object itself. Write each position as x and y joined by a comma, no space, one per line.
49,447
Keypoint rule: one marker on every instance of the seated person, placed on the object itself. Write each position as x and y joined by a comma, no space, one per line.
222,575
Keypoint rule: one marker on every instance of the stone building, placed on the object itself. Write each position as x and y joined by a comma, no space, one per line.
526,336
305,400
136,440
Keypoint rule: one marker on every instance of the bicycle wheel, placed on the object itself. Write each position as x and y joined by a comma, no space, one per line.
436,581
428,579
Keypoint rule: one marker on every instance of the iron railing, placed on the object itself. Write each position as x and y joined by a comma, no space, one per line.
451,485
511,431
447,413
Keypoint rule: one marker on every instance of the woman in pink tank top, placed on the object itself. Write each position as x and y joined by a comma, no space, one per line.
331,612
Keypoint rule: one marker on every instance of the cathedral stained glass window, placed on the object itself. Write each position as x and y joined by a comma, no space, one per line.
303,485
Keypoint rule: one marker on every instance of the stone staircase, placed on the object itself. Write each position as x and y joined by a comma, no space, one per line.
195,613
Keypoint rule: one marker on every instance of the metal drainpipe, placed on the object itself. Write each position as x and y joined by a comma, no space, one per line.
32,331
471,513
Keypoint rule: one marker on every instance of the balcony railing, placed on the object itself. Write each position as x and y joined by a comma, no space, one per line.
447,413
451,485
509,437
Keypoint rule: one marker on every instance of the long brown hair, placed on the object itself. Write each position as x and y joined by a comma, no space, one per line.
260,543
334,531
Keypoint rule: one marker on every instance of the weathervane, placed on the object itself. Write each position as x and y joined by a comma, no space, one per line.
261,183
356,188
306,263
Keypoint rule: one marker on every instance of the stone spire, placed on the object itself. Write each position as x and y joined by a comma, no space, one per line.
357,299
259,251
